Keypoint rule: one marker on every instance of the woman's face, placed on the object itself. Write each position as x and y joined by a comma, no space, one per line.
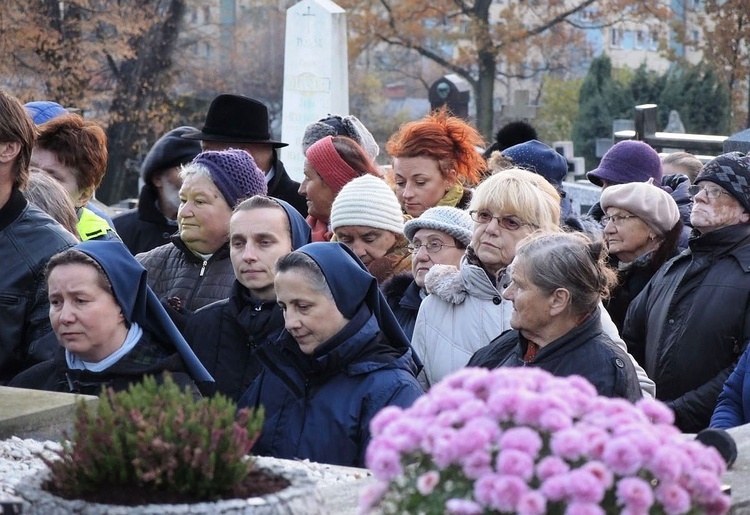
531,307
85,318
368,243
203,216
310,316
423,260
419,183
494,244
318,194
627,236
65,175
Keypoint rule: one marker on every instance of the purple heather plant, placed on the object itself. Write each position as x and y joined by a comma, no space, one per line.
520,440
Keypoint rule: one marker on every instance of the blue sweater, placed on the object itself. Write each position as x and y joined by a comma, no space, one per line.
733,407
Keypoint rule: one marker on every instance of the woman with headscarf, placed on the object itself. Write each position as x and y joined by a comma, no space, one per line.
330,164
435,162
557,282
341,358
111,328
367,218
642,228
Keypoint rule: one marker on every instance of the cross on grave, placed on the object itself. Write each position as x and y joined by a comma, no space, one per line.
520,109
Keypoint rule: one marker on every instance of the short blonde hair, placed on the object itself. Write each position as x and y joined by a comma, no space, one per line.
521,193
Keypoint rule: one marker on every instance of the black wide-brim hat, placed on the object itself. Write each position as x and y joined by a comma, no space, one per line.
236,119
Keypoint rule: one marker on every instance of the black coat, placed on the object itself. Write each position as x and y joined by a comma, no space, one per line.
282,186
145,227
403,297
28,238
226,334
689,325
146,358
586,351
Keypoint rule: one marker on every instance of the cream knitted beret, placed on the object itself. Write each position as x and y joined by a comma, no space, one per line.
648,202
367,201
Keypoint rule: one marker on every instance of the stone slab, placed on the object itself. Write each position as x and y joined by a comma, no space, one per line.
37,414
582,194
738,476
316,76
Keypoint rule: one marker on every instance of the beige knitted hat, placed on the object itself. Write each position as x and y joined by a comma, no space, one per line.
650,203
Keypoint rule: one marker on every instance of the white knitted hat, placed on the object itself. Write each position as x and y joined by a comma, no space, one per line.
367,201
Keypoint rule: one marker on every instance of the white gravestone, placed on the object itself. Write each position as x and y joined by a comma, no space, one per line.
316,73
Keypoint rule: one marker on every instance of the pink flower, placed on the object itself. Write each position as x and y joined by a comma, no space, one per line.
462,507
383,418
503,404
705,485
634,493
569,444
477,464
666,463
479,433
656,411
472,409
532,503
582,508
531,410
585,487
673,498
499,492
718,506
427,482
515,463
522,439
551,466
554,420
440,443
601,472
622,456
555,488
404,433
371,497
383,460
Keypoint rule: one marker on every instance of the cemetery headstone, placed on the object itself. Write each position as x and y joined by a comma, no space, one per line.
316,77
520,109
452,91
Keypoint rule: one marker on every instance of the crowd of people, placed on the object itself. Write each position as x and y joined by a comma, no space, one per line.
365,285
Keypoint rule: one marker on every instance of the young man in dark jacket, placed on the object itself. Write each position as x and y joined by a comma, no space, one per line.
226,334
28,238
690,324
155,219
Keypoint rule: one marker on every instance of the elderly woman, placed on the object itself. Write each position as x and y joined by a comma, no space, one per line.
111,328
435,161
341,358
438,237
367,218
195,270
330,164
465,310
557,283
642,230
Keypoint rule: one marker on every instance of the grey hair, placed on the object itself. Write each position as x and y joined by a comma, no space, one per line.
197,169
304,264
571,261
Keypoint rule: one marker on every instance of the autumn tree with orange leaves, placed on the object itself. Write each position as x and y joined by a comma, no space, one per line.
486,41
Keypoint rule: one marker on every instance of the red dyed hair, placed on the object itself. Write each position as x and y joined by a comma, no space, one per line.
447,139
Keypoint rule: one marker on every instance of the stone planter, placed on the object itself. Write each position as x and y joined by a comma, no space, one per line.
301,497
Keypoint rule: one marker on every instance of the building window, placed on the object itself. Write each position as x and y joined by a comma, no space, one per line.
206,14
615,38
640,39
653,42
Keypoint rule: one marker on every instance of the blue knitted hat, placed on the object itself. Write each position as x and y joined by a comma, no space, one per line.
539,158
235,173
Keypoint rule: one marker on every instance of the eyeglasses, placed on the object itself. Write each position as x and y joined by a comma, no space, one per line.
616,219
509,223
711,193
432,247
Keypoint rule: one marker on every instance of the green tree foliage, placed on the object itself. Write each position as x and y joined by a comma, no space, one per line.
602,99
558,109
699,95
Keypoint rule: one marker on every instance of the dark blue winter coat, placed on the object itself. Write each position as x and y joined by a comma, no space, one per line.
404,299
733,408
319,406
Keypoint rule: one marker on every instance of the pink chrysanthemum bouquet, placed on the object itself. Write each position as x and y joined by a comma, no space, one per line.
520,440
